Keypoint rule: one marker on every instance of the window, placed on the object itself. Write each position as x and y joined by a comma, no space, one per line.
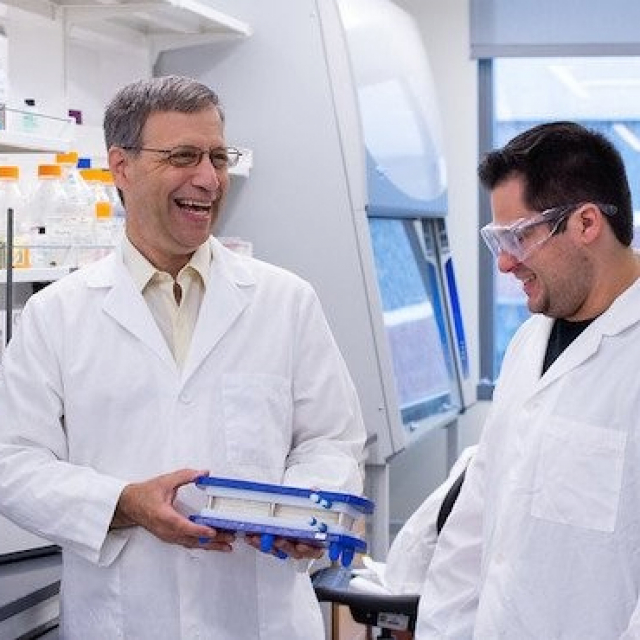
416,319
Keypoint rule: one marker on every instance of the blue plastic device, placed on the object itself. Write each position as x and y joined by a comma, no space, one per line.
322,518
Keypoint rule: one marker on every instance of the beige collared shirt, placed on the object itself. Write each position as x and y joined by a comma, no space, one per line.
174,304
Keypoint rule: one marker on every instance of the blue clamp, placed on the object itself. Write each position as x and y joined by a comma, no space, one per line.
320,500
341,552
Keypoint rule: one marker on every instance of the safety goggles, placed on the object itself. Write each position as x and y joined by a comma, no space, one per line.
520,238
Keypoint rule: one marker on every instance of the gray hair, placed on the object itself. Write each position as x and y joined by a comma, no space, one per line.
127,113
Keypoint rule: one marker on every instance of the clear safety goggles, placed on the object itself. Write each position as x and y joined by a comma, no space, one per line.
520,238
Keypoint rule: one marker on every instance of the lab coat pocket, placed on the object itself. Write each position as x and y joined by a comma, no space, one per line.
257,417
579,475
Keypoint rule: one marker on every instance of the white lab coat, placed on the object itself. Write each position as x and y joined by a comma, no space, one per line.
91,398
409,556
544,542
413,547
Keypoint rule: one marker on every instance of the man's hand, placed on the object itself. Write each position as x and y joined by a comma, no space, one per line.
149,504
293,549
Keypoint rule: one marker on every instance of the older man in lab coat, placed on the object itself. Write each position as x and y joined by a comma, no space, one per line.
171,358
544,540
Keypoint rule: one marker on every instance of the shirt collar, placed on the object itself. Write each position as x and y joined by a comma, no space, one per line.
142,270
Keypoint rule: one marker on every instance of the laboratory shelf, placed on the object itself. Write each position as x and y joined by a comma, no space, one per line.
243,168
166,24
31,132
36,274
15,142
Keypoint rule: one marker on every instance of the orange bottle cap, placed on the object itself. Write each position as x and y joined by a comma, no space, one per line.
91,175
103,210
106,176
9,171
70,157
49,170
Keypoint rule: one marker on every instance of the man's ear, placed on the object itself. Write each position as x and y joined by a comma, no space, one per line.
591,221
118,162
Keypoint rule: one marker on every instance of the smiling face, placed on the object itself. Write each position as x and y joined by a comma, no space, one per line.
558,277
170,210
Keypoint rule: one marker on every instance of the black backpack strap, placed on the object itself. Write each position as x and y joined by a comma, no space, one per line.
449,501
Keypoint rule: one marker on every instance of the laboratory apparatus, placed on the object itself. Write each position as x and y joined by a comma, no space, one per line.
324,518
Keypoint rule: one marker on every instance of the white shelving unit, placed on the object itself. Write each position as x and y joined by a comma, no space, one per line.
44,274
16,142
157,25
11,142
162,24
243,168
47,134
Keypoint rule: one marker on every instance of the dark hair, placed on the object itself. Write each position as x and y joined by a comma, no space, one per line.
564,163
127,113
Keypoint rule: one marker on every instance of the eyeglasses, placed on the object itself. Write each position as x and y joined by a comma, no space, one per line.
518,239
187,157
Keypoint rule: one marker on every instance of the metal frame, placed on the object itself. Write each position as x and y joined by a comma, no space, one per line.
486,301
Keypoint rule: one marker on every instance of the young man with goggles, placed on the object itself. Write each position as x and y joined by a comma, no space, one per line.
543,540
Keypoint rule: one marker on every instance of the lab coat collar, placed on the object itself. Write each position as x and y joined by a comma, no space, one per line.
125,304
622,314
229,290
108,271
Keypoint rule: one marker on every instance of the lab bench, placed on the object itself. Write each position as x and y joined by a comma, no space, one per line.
29,588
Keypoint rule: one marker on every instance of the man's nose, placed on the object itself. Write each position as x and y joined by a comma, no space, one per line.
207,175
507,262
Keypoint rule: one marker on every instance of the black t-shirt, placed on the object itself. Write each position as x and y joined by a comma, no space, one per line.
562,335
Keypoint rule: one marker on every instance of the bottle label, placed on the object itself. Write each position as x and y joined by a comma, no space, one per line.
21,258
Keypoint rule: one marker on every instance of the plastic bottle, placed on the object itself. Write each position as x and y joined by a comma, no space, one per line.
80,200
77,189
93,180
113,195
11,196
51,228
29,117
106,234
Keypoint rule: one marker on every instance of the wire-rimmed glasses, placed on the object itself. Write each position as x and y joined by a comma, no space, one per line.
186,156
